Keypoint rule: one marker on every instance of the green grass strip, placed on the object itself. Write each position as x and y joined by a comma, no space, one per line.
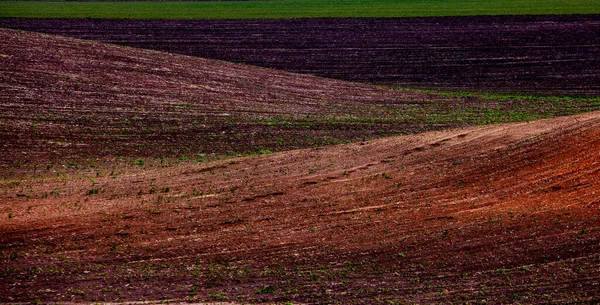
295,9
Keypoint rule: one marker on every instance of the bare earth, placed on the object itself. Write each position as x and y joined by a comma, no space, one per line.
494,214
506,213
551,54
65,99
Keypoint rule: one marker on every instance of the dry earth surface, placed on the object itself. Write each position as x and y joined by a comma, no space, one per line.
498,214
68,104
503,214
550,54
68,99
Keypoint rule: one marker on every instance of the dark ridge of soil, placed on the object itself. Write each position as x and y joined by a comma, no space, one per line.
527,54
497,214
67,103
67,99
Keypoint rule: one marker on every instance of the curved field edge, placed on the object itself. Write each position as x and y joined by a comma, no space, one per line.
70,105
488,214
292,9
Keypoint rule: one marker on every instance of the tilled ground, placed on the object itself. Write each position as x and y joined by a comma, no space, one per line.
73,103
501,214
498,214
532,54
66,99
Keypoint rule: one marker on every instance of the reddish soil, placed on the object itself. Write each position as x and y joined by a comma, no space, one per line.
537,54
499,214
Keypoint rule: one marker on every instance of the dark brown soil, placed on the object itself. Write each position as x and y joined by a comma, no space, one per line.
532,54
73,103
68,104
65,99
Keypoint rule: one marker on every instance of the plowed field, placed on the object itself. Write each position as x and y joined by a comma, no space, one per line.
68,103
502,214
91,212
531,54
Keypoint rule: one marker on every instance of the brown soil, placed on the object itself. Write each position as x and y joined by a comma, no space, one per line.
501,214
536,54
64,99
73,104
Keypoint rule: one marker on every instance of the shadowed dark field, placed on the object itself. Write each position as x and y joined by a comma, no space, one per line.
72,102
525,54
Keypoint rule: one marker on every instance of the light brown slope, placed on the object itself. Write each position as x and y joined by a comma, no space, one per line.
503,213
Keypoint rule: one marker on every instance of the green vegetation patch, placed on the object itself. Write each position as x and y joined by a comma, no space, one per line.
294,9
480,108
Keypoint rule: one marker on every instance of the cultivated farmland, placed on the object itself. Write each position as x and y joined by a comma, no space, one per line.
523,54
501,214
143,176
86,102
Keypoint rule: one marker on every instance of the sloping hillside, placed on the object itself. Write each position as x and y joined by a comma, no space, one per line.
73,103
63,97
503,214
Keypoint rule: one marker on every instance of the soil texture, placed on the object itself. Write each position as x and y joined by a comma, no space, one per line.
526,54
501,214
